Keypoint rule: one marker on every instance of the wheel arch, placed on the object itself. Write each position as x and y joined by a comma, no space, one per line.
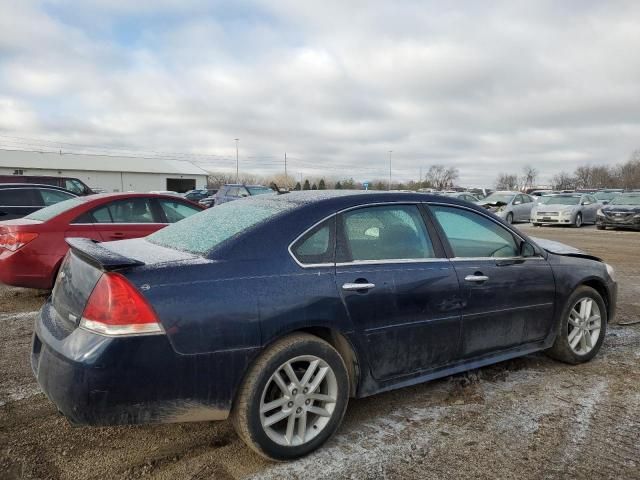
600,287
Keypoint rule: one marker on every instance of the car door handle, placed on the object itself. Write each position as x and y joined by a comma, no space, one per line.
476,278
358,286
117,235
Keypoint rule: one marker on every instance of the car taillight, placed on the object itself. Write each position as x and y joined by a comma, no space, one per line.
115,307
16,240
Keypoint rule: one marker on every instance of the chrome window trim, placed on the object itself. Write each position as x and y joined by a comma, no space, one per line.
360,262
494,259
119,224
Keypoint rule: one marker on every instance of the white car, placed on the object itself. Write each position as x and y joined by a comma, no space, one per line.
574,209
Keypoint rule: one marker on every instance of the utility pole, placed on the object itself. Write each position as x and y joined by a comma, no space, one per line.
237,165
286,177
420,180
390,152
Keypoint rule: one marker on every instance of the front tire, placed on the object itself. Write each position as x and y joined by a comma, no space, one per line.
578,221
293,398
582,327
601,227
509,218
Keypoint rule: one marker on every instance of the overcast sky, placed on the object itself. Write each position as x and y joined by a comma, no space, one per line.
483,86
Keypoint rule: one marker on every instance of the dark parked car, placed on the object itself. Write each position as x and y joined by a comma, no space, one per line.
275,310
621,212
236,191
18,200
68,183
197,195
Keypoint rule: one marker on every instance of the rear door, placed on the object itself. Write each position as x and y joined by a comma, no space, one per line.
508,299
400,292
18,202
120,219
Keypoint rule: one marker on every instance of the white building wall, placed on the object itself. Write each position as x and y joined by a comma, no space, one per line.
114,181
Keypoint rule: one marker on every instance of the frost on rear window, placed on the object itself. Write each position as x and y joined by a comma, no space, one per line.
47,213
203,232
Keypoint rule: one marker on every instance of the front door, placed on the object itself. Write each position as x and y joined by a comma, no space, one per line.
507,299
401,294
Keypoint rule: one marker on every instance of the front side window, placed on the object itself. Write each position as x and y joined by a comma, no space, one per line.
176,211
318,245
393,232
472,235
73,185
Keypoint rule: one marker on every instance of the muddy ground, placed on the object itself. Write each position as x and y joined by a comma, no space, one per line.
528,418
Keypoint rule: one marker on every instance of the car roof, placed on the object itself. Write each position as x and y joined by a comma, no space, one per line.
33,185
566,195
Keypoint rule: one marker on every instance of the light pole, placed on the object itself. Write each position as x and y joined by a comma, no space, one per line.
237,169
390,152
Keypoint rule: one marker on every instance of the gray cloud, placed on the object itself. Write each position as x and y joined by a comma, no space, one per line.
484,87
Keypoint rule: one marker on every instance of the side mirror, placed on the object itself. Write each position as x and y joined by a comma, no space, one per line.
517,202
527,250
605,202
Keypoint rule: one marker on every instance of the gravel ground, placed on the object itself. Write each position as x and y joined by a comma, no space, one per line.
528,418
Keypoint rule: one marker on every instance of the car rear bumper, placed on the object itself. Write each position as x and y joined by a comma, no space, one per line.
20,269
98,380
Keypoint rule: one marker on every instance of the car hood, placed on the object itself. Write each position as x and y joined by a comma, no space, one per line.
556,207
622,208
558,248
492,205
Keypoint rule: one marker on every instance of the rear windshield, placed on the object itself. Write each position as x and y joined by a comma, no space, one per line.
203,232
259,190
51,211
626,200
560,200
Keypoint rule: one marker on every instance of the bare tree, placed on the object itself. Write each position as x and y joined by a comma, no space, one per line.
529,176
563,181
442,177
507,181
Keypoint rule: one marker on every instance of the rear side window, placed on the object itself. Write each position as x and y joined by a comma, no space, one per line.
51,197
394,232
176,211
133,210
318,245
473,235
18,197
202,233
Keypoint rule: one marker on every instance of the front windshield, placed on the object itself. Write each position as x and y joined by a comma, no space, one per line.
626,200
499,198
47,213
606,195
259,190
560,200
204,231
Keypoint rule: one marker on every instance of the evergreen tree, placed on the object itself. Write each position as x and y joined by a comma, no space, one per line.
321,185
314,186
306,185
298,186
338,185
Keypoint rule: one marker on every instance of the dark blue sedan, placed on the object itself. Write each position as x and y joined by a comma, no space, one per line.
275,311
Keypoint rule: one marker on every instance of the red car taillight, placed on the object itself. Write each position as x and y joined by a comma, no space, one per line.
115,307
16,240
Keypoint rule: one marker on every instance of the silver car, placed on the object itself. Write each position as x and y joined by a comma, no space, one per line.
511,206
566,209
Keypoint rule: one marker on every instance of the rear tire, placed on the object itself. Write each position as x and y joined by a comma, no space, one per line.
584,312
601,227
271,406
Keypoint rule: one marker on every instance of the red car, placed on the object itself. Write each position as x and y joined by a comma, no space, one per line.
32,248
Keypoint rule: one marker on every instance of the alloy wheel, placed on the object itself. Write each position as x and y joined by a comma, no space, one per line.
584,326
578,220
298,400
